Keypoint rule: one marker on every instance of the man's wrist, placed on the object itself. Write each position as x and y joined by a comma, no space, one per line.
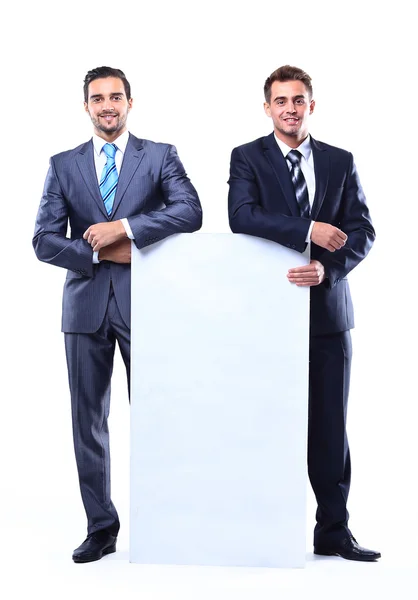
127,228
101,254
308,236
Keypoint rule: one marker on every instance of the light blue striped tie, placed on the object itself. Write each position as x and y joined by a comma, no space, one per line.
109,180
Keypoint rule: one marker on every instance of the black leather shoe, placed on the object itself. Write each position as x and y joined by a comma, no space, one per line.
95,546
348,548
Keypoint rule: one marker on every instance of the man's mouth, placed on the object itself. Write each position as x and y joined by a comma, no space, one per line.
292,120
108,117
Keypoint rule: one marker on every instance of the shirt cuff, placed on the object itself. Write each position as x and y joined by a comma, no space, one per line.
127,229
308,237
96,258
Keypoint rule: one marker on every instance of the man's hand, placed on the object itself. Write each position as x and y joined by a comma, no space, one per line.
327,236
118,252
104,234
308,275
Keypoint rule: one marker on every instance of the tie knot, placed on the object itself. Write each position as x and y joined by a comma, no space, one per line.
294,157
109,150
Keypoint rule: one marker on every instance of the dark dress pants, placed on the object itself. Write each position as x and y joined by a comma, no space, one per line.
90,365
328,452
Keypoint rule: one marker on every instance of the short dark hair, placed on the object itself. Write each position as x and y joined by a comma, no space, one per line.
101,73
287,73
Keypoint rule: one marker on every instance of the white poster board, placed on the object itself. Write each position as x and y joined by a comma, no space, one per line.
218,403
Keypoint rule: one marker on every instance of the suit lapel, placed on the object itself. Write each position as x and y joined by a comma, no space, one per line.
85,162
321,167
132,158
278,163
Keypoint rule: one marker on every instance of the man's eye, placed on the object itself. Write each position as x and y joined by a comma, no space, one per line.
280,102
300,101
117,97
96,100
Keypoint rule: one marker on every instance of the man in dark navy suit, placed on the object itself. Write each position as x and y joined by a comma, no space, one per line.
110,190
293,190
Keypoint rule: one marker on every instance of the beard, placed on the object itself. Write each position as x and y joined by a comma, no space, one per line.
117,125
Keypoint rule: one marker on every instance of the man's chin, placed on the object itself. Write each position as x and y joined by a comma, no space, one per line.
293,131
110,129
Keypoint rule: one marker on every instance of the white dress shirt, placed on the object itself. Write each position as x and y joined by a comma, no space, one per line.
307,168
100,161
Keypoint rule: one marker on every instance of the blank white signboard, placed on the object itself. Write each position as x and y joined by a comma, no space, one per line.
219,401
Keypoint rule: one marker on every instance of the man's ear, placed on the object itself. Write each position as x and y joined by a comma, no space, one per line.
311,106
267,109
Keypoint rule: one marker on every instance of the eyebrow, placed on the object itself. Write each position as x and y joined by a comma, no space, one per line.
285,97
111,94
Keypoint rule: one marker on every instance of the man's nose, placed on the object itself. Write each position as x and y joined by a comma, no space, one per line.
291,108
108,104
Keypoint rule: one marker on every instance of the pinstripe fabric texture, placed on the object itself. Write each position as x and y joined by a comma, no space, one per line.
153,193
90,364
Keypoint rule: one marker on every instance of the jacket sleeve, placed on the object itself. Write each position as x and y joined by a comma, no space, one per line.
50,240
182,212
247,215
356,223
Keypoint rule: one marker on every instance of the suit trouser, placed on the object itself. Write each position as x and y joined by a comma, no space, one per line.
90,365
328,452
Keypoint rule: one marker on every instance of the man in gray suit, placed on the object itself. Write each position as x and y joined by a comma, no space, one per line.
110,190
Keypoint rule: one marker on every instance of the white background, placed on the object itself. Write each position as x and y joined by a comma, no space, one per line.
197,72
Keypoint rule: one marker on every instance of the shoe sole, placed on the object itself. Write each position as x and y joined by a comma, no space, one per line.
356,558
106,551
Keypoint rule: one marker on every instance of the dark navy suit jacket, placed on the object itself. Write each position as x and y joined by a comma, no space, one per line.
262,202
153,193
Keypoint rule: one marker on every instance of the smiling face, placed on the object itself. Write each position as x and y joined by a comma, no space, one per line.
108,107
289,108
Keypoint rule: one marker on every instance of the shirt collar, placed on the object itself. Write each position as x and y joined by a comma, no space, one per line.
120,142
305,148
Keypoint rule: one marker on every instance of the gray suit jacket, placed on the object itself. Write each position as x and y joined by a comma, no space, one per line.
153,193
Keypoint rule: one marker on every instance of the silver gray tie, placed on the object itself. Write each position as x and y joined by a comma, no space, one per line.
299,183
